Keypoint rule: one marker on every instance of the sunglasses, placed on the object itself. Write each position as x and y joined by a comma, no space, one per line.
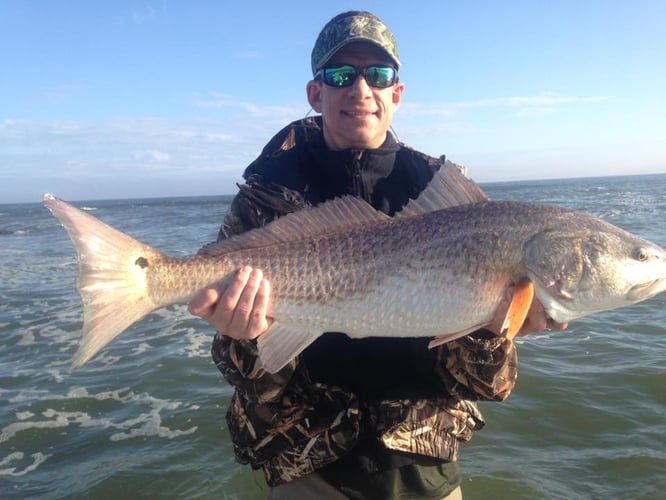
380,76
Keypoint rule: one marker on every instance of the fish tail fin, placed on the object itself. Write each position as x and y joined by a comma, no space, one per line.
112,277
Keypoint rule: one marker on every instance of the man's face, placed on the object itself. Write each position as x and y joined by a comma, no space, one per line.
359,116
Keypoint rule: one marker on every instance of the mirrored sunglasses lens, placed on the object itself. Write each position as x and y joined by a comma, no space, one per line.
380,76
341,76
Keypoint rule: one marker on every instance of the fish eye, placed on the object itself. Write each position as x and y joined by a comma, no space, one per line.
640,254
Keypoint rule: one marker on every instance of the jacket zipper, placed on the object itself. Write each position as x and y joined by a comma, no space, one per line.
357,177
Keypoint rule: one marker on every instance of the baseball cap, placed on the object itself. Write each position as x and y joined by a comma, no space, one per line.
348,27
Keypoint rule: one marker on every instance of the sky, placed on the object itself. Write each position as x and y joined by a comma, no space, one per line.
126,99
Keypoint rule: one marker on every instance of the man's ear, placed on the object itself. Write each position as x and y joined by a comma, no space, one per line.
398,90
313,90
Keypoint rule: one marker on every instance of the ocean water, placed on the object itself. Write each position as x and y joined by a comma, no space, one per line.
146,417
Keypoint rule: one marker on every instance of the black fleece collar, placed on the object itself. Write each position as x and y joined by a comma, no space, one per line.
350,171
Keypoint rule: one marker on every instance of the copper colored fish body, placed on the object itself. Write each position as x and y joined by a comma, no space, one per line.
342,266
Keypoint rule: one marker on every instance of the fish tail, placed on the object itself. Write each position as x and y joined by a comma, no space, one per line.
112,277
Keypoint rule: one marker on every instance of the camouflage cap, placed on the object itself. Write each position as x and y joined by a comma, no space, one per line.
353,26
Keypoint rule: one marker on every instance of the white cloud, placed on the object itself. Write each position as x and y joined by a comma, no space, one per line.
546,99
183,155
248,110
227,138
525,105
151,156
160,156
141,15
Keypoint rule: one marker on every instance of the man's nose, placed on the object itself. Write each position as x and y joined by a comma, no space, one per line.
360,86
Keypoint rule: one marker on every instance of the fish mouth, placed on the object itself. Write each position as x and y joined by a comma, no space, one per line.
644,291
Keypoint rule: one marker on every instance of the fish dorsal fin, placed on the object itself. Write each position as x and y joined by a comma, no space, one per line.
336,215
449,187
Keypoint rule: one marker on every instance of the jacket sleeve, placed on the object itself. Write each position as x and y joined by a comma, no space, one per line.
479,366
257,204
238,360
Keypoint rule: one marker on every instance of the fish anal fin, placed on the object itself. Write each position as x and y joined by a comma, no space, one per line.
448,337
280,344
523,294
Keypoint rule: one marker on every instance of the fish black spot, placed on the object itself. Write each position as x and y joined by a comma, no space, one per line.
142,262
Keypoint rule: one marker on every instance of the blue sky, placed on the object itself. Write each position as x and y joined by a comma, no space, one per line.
174,98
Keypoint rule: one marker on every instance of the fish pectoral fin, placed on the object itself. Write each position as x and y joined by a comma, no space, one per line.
448,337
280,344
523,294
521,301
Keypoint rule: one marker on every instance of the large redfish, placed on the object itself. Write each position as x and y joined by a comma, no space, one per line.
343,266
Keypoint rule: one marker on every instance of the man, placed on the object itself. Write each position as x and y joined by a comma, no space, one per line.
357,418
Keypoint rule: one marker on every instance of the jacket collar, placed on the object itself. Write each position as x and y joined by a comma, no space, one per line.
349,171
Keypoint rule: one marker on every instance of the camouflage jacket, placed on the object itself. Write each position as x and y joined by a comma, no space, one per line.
303,418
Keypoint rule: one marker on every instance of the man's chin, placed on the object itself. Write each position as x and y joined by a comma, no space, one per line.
369,142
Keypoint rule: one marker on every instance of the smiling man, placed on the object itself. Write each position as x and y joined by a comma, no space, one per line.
358,111
349,418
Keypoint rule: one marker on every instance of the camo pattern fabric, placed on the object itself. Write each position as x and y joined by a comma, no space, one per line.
480,364
289,426
349,27
432,427
283,422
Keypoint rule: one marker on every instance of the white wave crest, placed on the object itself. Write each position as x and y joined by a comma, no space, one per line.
146,424
38,459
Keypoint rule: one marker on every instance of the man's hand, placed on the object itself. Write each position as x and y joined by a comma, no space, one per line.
238,307
536,320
